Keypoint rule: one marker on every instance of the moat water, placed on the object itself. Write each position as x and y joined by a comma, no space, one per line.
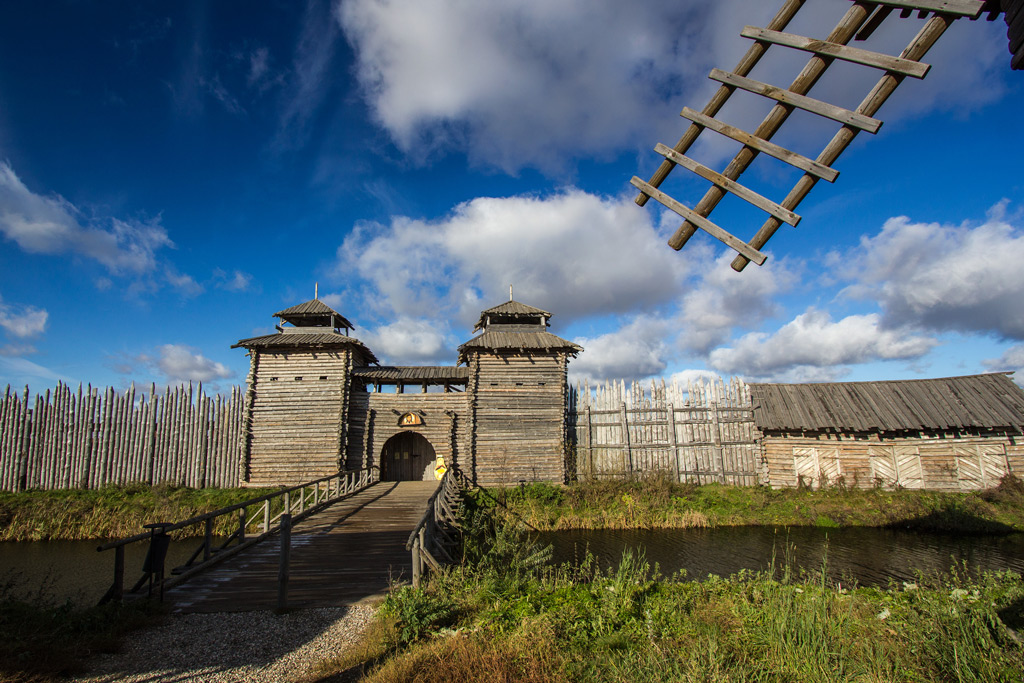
74,570
868,556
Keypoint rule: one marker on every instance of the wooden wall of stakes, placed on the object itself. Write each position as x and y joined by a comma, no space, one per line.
858,23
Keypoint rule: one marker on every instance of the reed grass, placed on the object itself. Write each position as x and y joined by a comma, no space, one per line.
111,511
658,502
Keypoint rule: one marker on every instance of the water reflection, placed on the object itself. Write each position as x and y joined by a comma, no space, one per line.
870,556
73,570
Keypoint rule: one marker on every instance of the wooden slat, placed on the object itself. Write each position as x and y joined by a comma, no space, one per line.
721,96
763,203
770,148
831,111
964,8
700,221
855,55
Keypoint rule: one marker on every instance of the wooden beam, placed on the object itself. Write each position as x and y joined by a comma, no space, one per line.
700,221
744,66
855,55
963,8
745,193
831,111
760,144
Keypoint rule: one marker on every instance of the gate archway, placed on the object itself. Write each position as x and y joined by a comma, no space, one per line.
407,457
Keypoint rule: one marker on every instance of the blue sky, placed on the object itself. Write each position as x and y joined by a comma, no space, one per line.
173,173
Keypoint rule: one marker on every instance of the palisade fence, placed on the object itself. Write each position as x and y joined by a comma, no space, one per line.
90,438
700,433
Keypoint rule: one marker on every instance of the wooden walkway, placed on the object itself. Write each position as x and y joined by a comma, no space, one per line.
350,552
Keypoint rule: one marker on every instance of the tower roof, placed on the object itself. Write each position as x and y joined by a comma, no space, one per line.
314,313
512,312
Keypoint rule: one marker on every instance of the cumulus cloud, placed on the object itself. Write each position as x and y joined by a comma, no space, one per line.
409,341
524,83
572,253
812,342
723,300
182,363
52,225
1012,360
944,277
22,322
635,351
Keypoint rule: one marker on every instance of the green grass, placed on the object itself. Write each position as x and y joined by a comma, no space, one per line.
508,616
111,512
657,502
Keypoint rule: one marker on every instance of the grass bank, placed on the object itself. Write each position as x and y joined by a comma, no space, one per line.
508,617
658,502
109,512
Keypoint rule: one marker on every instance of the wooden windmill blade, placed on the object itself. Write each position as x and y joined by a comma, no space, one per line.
859,22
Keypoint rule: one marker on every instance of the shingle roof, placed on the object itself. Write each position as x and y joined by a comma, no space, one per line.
313,340
413,373
314,309
501,340
510,309
989,401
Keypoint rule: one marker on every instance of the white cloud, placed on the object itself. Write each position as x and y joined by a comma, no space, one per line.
572,253
52,225
1012,360
944,277
23,322
724,300
184,283
18,371
526,83
181,363
812,342
635,351
410,341
235,281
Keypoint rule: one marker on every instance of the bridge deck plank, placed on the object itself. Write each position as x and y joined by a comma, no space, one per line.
348,553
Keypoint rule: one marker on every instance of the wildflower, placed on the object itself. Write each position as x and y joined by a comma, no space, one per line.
909,586
798,590
958,593
884,614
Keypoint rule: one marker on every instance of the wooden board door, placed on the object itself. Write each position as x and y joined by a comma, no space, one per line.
405,457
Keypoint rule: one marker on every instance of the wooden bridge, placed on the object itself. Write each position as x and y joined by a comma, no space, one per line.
350,542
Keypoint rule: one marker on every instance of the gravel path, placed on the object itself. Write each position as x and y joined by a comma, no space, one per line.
260,647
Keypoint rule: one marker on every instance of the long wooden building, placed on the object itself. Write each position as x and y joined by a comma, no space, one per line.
317,400
952,433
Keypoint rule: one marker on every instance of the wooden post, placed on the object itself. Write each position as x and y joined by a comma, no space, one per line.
282,572
266,515
207,537
417,566
672,447
625,438
590,444
717,435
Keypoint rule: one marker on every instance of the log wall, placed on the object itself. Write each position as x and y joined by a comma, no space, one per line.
297,406
519,417
91,438
374,420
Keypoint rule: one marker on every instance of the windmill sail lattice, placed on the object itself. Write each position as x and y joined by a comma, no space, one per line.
858,23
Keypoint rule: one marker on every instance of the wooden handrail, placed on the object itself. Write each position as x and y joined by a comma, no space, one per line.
431,536
311,498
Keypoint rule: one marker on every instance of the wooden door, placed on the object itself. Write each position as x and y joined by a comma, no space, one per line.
405,457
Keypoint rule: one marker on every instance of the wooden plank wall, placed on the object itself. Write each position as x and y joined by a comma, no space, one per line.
700,433
519,412
934,461
298,403
91,438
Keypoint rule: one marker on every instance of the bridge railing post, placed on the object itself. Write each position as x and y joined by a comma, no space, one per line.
282,571
266,515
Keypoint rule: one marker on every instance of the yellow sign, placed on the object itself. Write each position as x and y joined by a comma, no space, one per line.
439,468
